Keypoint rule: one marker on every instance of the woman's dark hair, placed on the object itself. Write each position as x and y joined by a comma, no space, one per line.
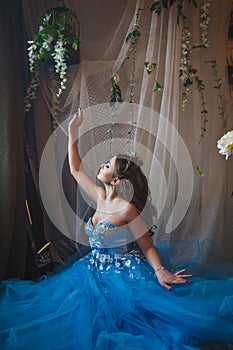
138,193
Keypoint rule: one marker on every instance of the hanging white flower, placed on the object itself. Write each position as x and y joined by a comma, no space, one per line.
225,144
205,19
60,63
52,45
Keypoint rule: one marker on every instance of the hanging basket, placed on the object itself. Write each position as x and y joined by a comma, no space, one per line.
70,24
55,46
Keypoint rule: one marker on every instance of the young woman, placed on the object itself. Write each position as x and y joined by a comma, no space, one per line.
116,297
114,209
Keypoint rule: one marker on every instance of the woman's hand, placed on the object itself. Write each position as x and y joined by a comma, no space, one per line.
76,120
166,278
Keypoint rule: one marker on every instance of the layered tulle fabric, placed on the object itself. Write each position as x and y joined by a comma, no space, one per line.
111,299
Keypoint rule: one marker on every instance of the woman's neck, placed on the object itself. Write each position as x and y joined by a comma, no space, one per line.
110,193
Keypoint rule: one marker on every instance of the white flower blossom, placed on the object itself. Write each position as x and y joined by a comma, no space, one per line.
31,93
60,63
204,24
225,144
32,56
50,46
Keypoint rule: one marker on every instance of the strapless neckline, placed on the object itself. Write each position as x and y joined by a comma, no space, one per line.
102,222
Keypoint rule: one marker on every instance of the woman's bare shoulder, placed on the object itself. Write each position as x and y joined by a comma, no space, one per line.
130,212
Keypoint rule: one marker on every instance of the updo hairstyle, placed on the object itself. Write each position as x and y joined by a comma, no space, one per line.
134,187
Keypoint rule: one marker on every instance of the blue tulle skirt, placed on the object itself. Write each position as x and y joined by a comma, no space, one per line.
109,300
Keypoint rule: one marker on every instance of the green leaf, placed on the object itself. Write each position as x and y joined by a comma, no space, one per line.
129,36
188,82
150,66
165,3
40,56
153,64
194,2
75,45
51,19
158,87
171,2
136,33
156,7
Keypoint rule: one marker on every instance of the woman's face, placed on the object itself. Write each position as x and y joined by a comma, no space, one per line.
106,171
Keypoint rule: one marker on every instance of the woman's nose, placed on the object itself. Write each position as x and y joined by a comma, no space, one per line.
102,166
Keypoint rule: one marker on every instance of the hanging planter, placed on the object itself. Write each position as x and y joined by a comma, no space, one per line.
56,45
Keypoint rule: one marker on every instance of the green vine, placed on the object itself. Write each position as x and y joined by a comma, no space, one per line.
132,38
116,91
204,111
131,132
111,131
116,95
158,6
188,74
218,87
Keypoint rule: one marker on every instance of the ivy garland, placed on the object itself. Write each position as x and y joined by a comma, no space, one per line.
218,87
188,74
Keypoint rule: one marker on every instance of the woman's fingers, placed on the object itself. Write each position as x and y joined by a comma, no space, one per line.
167,286
180,274
77,118
180,271
183,276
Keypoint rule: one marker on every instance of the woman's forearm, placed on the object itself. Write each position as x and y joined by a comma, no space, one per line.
153,258
74,158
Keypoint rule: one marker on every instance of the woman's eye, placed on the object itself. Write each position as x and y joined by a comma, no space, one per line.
108,165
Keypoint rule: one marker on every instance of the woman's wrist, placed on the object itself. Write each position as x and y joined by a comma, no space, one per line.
72,129
159,268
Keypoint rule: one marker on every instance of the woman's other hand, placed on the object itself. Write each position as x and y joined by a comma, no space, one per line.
166,278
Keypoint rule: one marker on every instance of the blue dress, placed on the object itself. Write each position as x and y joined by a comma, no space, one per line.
110,299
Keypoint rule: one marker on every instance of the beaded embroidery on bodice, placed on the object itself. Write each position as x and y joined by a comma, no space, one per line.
107,235
113,249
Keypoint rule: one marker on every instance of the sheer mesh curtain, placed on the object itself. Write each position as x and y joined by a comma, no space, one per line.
103,30
211,207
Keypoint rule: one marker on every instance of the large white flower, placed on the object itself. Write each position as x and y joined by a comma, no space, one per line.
225,144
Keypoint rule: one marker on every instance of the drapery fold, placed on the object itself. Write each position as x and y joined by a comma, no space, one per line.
12,196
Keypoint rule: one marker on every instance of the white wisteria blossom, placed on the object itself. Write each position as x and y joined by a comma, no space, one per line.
31,93
225,144
186,49
60,63
52,46
31,55
186,71
204,24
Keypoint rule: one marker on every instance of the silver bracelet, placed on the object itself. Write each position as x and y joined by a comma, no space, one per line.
160,268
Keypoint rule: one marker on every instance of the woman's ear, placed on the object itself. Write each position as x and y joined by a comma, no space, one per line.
115,181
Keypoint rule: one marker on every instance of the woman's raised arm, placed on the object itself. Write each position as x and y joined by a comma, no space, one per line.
75,162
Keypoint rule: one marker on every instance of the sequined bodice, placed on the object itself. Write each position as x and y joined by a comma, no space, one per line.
107,235
113,249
